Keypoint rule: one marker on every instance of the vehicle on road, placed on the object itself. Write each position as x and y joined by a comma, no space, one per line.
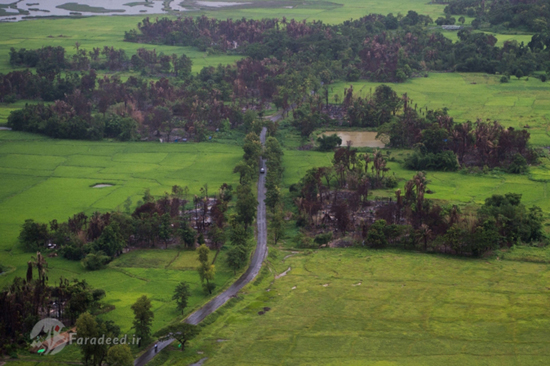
262,170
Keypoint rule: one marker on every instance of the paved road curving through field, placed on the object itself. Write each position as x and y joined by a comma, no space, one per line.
255,265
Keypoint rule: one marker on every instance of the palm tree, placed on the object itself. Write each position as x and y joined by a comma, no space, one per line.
424,233
42,266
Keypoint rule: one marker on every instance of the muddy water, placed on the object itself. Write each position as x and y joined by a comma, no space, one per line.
358,138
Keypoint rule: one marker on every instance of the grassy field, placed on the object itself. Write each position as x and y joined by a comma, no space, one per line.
517,36
47,179
472,95
89,33
341,11
365,307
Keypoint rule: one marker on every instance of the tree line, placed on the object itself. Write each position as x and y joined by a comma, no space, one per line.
410,221
50,60
531,15
442,144
374,47
99,238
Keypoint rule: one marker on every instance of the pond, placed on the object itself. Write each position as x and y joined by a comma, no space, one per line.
358,138
102,185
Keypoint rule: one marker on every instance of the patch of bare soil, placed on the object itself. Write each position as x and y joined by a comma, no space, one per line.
290,255
282,274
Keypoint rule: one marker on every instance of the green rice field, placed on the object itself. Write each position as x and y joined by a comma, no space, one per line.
341,10
390,308
469,96
47,179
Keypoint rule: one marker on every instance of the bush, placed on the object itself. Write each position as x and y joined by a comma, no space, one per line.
390,181
327,143
33,235
95,261
302,240
376,237
323,238
504,79
71,252
10,98
519,165
352,73
123,129
444,161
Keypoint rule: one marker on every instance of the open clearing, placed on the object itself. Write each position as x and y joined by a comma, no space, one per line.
411,309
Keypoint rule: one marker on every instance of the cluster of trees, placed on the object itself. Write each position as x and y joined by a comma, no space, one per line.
314,111
51,60
531,15
290,64
501,222
442,144
149,63
246,205
202,32
45,59
439,142
99,238
321,187
97,353
413,222
28,85
371,111
376,47
273,198
29,299
88,107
